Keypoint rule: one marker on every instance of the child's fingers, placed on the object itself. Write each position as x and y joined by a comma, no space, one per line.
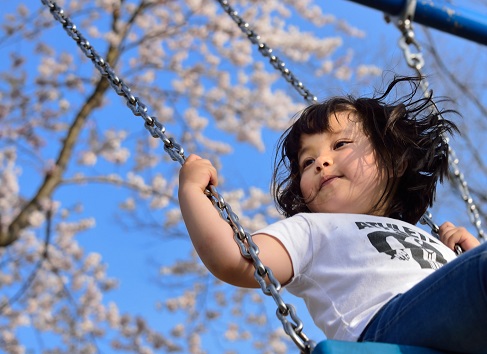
446,232
213,173
192,158
198,170
451,235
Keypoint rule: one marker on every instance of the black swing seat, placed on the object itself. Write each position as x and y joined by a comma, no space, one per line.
342,347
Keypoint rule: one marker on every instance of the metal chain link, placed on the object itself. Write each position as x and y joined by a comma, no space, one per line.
277,63
249,250
293,326
415,61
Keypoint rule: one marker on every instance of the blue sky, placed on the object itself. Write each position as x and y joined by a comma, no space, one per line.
126,251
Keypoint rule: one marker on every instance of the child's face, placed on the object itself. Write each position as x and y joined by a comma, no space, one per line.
339,170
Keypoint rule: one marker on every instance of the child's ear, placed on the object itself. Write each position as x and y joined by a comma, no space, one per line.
402,168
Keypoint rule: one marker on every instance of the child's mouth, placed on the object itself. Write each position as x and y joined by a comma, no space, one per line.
327,180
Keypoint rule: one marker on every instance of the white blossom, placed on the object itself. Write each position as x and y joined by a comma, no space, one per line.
92,260
88,158
173,217
178,330
128,204
364,70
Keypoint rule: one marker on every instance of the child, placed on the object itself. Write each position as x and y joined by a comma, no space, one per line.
353,177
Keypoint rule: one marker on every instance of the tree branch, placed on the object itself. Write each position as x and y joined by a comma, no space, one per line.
53,177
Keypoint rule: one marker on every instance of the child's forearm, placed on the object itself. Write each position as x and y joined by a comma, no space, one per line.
213,240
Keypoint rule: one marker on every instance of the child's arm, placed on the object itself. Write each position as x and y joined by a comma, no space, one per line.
212,236
451,235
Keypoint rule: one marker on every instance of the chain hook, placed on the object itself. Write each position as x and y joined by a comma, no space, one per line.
404,22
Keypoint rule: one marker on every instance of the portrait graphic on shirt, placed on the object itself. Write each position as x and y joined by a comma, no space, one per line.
406,245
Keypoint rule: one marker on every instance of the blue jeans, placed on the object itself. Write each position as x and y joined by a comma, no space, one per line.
446,311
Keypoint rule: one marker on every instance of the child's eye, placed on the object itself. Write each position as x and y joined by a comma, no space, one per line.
340,144
307,163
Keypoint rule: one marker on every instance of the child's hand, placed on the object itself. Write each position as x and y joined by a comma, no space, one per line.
197,172
451,235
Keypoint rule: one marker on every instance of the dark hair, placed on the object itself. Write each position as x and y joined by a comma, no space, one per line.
409,132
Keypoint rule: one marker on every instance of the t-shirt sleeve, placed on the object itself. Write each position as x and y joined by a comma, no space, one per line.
294,233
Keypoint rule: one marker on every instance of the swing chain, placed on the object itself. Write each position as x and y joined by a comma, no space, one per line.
404,22
138,108
416,62
266,51
272,287
467,198
414,59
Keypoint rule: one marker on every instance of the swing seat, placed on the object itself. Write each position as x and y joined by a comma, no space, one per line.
342,347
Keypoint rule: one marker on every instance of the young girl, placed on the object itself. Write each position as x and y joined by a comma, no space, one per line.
352,177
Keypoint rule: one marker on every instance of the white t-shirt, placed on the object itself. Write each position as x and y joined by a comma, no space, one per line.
347,266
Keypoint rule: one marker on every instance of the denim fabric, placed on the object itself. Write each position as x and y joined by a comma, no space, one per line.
445,311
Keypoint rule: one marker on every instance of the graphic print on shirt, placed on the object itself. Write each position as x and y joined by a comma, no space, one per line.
404,244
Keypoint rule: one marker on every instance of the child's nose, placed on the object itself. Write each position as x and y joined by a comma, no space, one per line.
323,161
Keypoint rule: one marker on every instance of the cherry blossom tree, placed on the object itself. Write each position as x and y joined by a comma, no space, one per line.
68,141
